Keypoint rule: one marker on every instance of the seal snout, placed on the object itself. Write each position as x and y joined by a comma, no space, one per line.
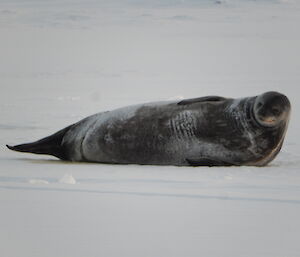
271,108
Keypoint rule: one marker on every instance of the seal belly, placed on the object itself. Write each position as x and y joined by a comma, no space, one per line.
162,134
151,135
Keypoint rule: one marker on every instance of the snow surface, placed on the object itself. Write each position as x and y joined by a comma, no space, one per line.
63,60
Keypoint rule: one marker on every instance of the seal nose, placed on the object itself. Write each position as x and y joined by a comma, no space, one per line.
269,108
271,99
271,96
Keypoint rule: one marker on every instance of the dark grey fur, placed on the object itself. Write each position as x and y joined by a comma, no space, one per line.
206,131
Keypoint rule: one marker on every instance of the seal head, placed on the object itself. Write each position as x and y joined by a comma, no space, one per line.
271,113
271,109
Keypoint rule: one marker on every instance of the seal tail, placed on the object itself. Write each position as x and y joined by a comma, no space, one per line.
51,145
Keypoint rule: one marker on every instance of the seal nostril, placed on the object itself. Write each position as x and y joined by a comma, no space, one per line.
284,101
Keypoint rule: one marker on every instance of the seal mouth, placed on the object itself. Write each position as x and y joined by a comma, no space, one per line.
270,120
266,121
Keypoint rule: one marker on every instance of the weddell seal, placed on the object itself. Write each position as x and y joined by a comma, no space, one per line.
205,131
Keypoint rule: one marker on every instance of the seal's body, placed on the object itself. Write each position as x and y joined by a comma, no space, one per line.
205,131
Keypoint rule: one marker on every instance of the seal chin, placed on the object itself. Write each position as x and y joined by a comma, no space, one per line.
271,108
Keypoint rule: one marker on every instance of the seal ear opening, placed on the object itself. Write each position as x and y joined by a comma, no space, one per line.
51,145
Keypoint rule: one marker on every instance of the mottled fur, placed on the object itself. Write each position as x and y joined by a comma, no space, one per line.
202,131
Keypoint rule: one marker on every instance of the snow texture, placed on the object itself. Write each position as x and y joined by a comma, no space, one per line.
68,179
61,61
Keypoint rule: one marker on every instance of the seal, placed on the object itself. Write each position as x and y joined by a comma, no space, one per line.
205,131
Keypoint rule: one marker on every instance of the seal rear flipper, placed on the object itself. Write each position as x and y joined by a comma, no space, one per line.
51,145
207,162
202,99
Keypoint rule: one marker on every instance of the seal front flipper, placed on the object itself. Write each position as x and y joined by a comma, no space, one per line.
51,145
207,162
202,99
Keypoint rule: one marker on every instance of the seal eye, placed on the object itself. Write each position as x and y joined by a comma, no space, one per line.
259,105
275,111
